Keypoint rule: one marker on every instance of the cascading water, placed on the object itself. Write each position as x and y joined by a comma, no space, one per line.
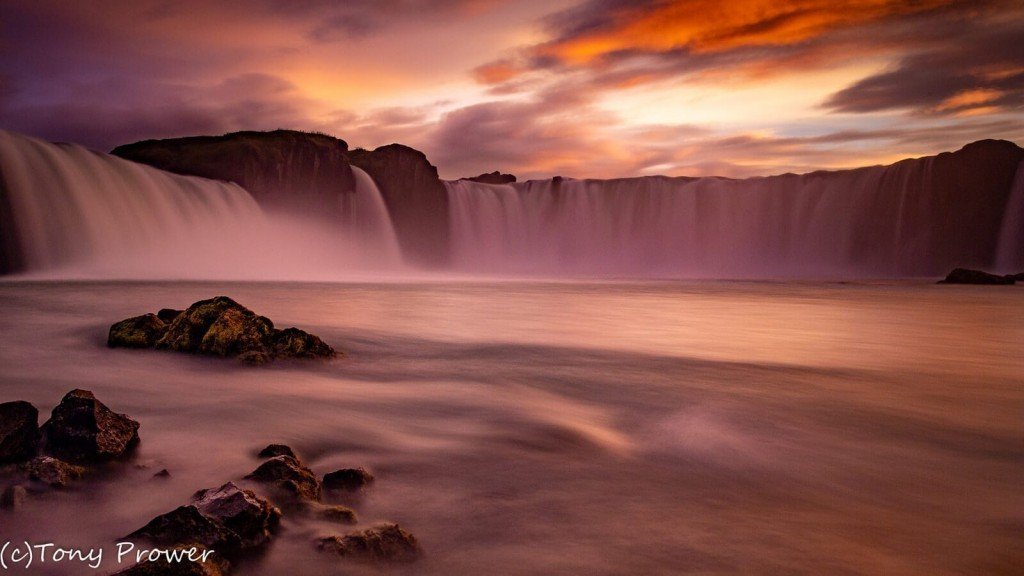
1011,239
907,219
69,211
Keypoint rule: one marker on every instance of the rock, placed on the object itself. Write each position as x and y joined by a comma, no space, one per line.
168,314
13,497
295,343
289,476
191,564
385,542
82,429
348,479
965,276
219,327
278,450
162,474
52,471
252,518
493,178
138,332
19,431
416,198
339,514
1016,277
185,526
235,332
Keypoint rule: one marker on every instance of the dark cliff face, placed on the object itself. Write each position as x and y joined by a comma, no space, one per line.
416,199
493,178
285,169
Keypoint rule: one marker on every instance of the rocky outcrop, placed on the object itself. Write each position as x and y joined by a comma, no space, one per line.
13,497
138,332
187,561
82,429
385,542
297,171
241,511
218,327
965,276
289,477
185,526
347,479
493,178
273,450
415,196
19,431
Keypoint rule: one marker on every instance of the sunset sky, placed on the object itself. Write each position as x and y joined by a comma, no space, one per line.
584,88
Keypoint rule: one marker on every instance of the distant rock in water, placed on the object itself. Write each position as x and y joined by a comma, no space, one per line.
53,471
493,178
218,327
416,198
289,169
965,276
383,543
82,429
19,431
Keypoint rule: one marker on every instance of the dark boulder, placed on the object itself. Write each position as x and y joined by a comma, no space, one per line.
337,513
19,431
273,450
252,518
385,542
416,198
185,526
13,497
493,178
1016,277
290,477
218,327
82,429
138,332
347,479
965,276
53,472
168,314
295,343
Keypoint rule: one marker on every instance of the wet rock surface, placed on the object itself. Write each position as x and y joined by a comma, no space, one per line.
347,479
383,543
82,429
252,518
53,472
186,525
273,450
289,477
138,332
965,276
19,431
218,327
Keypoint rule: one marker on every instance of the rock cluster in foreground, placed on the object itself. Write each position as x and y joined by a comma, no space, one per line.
218,327
966,276
217,526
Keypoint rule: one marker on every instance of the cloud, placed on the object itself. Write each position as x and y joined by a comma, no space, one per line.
985,74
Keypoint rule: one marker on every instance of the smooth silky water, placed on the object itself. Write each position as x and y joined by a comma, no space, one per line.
570,428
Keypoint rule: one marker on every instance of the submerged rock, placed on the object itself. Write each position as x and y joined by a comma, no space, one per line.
965,276
218,327
289,476
19,431
250,517
13,497
53,472
278,450
348,479
138,332
186,525
337,513
82,429
385,542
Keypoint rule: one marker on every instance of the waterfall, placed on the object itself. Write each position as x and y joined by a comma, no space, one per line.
908,219
67,211
1011,238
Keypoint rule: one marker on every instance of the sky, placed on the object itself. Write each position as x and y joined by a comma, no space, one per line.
538,88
